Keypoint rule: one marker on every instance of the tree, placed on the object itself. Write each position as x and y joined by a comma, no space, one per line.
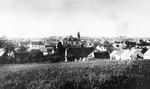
22,49
60,48
7,45
106,42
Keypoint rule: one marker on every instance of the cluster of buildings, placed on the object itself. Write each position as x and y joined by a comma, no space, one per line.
48,44
102,46
34,45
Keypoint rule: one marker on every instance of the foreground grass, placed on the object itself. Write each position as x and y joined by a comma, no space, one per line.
97,74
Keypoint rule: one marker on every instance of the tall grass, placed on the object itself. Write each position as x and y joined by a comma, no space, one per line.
80,75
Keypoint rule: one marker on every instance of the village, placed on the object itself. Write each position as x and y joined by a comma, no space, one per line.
75,62
74,44
73,48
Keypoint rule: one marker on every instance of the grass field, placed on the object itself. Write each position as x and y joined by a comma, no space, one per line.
93,74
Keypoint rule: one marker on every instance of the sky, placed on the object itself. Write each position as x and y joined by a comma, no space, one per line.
96,18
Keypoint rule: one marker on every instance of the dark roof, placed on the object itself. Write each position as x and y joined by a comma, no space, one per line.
37,43
80,51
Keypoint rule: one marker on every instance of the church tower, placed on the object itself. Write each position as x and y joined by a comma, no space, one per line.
78,35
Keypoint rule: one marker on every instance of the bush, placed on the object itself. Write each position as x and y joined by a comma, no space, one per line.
54,58
36,56
21,57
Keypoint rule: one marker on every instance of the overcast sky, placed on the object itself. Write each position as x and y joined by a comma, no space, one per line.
40,18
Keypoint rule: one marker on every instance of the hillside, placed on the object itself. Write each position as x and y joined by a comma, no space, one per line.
94,74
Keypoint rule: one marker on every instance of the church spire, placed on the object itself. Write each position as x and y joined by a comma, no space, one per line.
78,35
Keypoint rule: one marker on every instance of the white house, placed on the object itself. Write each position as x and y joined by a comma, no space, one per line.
147,54
2,51
101,48
126,54
37,45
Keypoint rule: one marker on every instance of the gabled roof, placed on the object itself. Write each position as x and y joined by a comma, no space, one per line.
147,52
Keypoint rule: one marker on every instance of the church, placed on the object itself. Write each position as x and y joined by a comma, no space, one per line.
72,41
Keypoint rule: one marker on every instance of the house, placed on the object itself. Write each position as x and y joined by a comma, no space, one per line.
37,45
121,54
127,54
71,42
2,51
50,48
147,54
25,44
119,45
78,53
33,45
101,48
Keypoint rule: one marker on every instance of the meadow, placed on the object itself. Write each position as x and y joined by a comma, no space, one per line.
93,74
